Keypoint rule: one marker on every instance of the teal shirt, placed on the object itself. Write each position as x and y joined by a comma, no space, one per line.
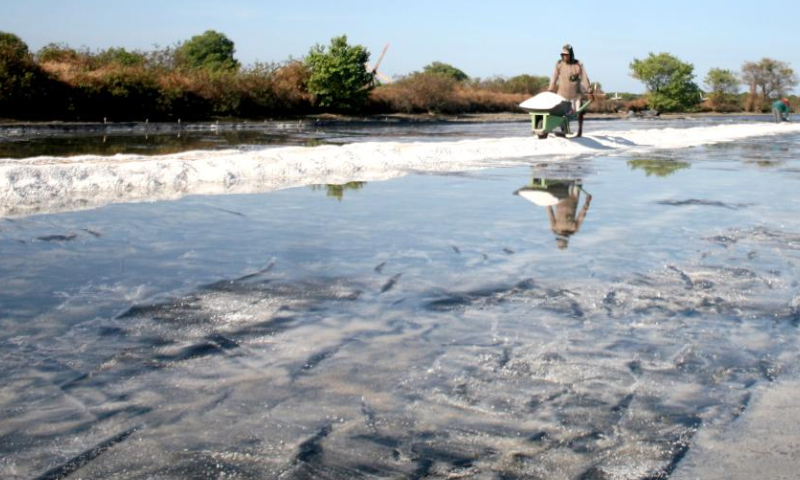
780,106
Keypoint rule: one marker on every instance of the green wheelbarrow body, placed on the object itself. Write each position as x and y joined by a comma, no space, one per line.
544,122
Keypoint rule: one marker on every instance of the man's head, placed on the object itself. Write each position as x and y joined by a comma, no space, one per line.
567,54
785,101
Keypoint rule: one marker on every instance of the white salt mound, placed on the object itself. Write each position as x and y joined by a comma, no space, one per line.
56,184
543,102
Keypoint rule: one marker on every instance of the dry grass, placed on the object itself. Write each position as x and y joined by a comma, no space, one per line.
133,86
477,100
135,92
431,93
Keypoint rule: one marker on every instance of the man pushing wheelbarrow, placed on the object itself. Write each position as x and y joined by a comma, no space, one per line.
563,101
571,82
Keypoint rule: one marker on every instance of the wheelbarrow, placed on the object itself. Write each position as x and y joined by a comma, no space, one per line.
550,112
546,192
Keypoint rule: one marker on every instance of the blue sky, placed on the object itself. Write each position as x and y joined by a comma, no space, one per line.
482,38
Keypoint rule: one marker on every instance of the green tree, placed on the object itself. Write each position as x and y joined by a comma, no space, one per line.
339,78
121,57
669,81
723,88
657,167
447,70
57,52
210,51
13,46
337,190
522,84
773,77
527,84
22,81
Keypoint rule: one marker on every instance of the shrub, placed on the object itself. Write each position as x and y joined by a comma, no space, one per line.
658,167
339,78
209,51
120,57
724,86
18,72
118,94
200,78
219,90
13,47
522,84
435,93
603,105
634,105
178,99
474,100
420,92
527,84
669,82
57,52
445,69
290,87
773,78
26,91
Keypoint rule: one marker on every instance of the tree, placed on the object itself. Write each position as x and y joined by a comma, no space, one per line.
527,84
447,70
13,47
210,51
520,84
657,167
339,78
337,190
669,81
773,77
22,81
723,88
121,57
57,52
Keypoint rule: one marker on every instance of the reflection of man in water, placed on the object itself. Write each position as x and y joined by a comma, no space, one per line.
561,197
563,219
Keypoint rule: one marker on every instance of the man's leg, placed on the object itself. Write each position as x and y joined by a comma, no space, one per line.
777,115
576,105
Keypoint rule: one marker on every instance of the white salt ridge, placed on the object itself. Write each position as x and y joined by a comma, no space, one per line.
56,184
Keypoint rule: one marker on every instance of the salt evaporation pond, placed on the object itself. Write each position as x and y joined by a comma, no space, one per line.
423,322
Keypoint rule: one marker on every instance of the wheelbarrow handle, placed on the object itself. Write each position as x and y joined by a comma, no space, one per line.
583,107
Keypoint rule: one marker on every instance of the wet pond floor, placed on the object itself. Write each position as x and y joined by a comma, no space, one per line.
32,140
566,319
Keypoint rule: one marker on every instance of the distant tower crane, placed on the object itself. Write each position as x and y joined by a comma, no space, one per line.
374,69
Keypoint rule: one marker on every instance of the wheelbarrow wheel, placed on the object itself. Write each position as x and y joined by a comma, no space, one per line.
542,135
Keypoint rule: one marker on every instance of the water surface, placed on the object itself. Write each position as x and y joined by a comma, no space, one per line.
166,138
431,326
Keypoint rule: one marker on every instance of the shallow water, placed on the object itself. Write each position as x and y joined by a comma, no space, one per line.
161,139
432,325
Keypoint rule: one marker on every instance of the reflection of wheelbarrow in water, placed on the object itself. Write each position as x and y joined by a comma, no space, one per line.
561,198
549,112
548,192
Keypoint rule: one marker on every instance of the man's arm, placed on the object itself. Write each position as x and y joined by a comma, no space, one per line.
552,216
584,210
554,78
584,80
